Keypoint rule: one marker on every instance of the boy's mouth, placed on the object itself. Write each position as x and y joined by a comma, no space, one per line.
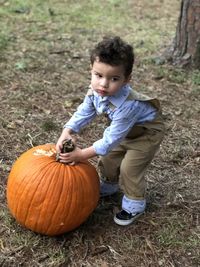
102,92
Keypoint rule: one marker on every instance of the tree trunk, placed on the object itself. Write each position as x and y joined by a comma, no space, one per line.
186,50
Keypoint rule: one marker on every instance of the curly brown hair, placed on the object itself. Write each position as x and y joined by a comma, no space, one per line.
114,51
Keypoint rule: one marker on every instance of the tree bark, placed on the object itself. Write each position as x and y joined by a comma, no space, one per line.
186,49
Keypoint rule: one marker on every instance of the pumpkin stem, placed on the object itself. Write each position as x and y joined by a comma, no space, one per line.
68,146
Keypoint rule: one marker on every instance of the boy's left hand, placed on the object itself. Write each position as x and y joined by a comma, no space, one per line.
72,157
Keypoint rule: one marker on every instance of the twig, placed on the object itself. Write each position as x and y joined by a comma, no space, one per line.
59,52
86,251
114,252
99,250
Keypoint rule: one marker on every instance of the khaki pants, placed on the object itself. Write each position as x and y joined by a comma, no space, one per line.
127,163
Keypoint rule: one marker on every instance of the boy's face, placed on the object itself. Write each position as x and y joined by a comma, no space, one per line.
107,80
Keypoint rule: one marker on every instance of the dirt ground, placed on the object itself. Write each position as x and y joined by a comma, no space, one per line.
43,77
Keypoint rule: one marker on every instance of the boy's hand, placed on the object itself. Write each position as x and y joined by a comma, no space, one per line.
77,155
73,157
66,134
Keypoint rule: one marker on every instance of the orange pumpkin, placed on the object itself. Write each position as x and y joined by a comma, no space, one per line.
49,197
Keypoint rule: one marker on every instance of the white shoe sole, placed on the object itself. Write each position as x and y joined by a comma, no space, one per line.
127,222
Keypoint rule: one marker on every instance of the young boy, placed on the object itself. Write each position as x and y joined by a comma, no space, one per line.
133,136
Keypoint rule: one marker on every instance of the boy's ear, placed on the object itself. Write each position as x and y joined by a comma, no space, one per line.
128,78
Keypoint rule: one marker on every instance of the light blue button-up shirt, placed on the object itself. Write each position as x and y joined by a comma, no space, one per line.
122,112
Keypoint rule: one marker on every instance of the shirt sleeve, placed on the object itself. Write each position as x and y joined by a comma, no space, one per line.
122,122
84,114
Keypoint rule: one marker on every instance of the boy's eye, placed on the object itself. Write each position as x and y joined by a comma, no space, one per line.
98,75
115,79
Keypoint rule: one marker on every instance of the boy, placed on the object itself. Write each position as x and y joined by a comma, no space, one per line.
136,128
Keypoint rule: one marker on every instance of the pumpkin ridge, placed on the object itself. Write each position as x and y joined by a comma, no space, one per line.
79,194
44,208
79,174
71,188
87,183
82,193
17,207
11,180
45,168
75,179
62,198
66,169
31,202
20,184
54,217
82,196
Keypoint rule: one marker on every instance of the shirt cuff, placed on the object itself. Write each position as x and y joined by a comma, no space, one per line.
100,149
72,128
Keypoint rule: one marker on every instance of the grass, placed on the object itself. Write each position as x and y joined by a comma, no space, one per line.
44,68
170,235
90,16
195,77
48,125
3,41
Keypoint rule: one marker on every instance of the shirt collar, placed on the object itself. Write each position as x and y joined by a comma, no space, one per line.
119,98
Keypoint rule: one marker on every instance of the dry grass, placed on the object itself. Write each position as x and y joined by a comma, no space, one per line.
44,68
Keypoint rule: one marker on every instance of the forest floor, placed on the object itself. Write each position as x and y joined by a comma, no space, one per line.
44,73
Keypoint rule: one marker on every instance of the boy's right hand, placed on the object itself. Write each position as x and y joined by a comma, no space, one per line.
66,134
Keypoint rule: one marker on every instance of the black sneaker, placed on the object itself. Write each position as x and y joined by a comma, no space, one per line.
124,218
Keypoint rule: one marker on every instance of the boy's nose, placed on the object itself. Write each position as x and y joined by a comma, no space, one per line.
104,83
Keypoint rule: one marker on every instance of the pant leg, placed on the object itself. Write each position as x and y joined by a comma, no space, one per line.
109,165
139,154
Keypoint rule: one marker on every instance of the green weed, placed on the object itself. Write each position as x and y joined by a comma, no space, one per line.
161,73
21,65
57,257
169,235
195,78
177,76
3,41
48,125
173,234
7,219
